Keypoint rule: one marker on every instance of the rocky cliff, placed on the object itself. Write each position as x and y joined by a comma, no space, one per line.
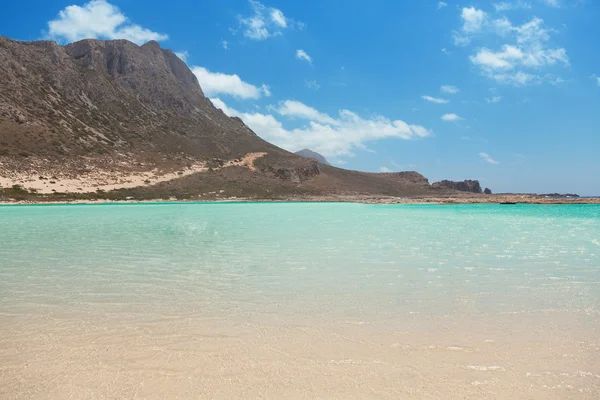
464,186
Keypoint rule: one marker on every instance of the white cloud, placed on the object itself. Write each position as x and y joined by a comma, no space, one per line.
384,169
460,39
532,32
518,78
312,84
510,63
183,55
473,19
332,137
441,5
220,104
505,6
596,78
436,100
504,59
449,89
302,55
278,17
225,44
445,51
551,3
502,26
292,108
98,19
266,90
215,83
494,99
264,22
510,57
451,117
488,159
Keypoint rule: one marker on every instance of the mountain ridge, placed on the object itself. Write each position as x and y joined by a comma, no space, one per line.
110,114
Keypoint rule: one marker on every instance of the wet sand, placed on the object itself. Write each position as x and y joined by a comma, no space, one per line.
190,357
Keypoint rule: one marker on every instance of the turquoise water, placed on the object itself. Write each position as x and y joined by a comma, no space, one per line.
299,300
285,262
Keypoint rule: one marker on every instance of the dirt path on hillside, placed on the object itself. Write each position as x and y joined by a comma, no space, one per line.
48,182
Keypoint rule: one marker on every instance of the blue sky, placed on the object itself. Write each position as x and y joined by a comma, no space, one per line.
507,92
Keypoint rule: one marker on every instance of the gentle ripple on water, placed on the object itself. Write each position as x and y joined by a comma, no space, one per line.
436,271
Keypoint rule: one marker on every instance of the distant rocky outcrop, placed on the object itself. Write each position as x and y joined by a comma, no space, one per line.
298,173
464,186
306,153
487,191
408,176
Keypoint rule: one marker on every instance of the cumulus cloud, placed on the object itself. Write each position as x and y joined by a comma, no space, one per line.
449,89
292,108
302,55
225,44
441,5
264,22
436,100
337,136
473,19
384,169
514,63
451,117
278,18
596,78
217,83
488,159
98,19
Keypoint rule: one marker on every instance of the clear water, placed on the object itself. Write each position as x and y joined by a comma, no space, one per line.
373,259
307,265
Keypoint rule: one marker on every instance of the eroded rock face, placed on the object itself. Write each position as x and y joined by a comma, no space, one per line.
157,75
413,177
487,191
105,97
300,173
470,186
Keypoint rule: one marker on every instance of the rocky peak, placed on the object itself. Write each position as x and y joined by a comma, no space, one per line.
306,153
134,66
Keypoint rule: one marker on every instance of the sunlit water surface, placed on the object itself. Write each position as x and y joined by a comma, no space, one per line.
300,301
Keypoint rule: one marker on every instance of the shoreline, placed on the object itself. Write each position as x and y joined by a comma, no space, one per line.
482,199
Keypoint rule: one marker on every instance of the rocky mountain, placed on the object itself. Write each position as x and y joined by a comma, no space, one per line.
464,186
110,119
306,153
